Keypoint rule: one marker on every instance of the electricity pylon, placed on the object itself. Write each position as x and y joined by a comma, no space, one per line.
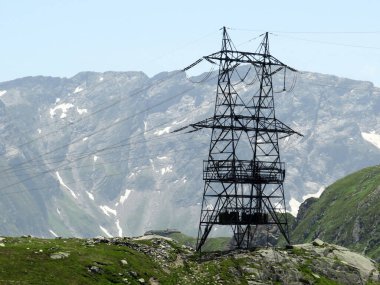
243,175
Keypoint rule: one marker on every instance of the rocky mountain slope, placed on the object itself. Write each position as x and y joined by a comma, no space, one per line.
347,213
93,154
157,260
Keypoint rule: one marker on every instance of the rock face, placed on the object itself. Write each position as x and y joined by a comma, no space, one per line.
304,207
347,213
93,154
349,268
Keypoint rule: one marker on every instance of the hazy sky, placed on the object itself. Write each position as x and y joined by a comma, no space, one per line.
62,38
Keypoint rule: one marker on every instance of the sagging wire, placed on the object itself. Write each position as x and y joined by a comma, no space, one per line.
242,79
292,85
206,77
295,78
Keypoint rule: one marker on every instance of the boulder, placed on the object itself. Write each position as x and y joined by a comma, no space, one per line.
59,255
318,242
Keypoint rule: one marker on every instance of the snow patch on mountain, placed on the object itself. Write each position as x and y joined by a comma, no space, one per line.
120,230
12,151
2,92
145,126
90,195
124,197
53,233
105,231
81,111
78,89
180,122
167,169
210,207
241,88
372,138
151,162
64,185
95,158
63,107
162,131
107,210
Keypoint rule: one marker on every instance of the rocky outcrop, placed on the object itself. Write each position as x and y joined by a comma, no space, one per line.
160,260
347,214
304,207
308,263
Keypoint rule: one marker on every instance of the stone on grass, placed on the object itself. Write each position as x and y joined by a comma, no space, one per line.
124,262
95,269
59,255
318,242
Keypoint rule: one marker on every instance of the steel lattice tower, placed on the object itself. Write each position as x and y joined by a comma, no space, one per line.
243,174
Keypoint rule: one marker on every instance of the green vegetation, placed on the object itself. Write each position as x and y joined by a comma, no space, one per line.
347,213
211,244
28,260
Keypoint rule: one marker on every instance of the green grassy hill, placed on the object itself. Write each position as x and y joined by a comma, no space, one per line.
347,213
161,260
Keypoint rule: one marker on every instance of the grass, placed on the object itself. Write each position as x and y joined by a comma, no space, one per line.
28,261
211,244
24,260
349,203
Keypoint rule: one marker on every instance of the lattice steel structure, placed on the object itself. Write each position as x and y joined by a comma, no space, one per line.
243,174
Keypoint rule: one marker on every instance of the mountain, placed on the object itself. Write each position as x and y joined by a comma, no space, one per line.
347,213
156,260
93,154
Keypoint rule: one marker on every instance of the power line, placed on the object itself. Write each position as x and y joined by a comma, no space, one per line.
118,101
96,152
95,164
103,128
122,143
73,182
133,93
114,146
331,43
306,32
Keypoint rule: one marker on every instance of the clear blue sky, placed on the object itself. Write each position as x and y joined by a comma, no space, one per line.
62,38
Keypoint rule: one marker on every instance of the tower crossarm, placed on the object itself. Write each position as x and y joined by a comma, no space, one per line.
244,123
256,59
